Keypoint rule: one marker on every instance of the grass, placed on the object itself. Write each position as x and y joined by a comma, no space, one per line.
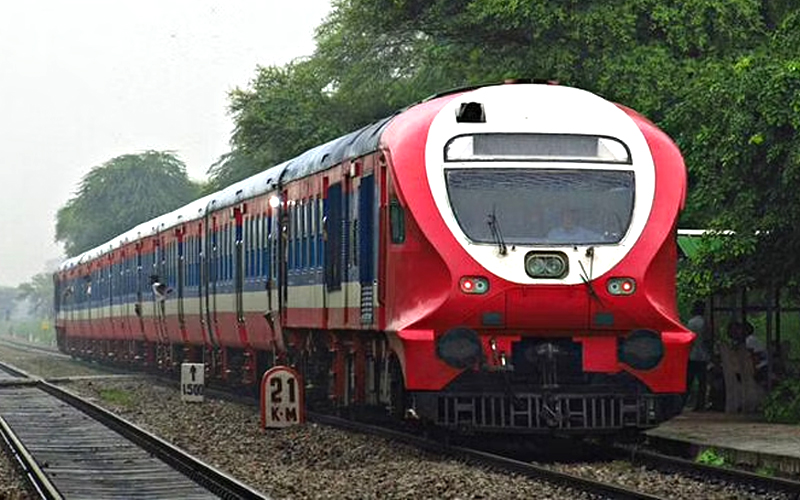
117,397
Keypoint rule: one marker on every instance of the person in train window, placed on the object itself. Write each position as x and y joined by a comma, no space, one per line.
535,228
570,231
160,290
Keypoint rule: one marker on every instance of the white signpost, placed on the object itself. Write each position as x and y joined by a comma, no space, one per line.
282,398
192,382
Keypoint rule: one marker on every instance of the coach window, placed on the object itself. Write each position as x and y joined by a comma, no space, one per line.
318,214
240,251
250,243
194,258
228,251
297,237
255,235
215,253
223,253
230,235
302,232
198,254
312,233
397,221
250,240
231,246
290,232
189,259
247,247
268,238
307,232
300,235
220,254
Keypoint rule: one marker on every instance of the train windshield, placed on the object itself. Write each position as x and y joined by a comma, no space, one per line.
542,207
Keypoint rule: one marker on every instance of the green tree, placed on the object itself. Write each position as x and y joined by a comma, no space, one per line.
286,111
637,52
374,57
8,297
720,76
38,294
119,194
739,128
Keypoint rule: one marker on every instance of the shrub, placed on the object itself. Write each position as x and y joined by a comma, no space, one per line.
710,456
782,405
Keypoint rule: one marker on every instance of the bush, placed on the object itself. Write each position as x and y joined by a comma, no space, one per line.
782,405
710,456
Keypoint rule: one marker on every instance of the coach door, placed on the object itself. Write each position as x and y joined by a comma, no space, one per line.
334,250
181,264
239,261
364,247
208,282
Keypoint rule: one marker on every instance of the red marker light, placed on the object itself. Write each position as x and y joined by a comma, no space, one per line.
621,286
476,285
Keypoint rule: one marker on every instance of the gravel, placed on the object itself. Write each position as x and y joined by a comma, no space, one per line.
12,482
666,485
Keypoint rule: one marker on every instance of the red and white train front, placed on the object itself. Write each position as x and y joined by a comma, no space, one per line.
532,284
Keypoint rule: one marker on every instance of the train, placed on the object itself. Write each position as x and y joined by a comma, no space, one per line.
495,259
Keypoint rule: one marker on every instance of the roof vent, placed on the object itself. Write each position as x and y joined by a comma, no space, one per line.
470,112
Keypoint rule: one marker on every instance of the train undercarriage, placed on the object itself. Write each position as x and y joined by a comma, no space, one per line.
357,371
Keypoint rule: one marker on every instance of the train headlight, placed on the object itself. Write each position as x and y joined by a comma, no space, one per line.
641,350
474,285
621,286
551,265
460,348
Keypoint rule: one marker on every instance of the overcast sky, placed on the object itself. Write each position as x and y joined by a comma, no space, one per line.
84,81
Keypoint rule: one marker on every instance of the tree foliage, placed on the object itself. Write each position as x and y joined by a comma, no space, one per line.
738,126
120,194
8,297
38,294
720,76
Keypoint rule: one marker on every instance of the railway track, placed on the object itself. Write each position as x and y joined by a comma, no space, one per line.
32,347
71,448
750,485
642,456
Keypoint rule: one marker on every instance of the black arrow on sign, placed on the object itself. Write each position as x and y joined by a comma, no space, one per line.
193,370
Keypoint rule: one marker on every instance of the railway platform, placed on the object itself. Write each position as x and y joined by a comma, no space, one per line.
736,439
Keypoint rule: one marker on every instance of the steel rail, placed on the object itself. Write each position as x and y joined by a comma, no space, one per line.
212,479
656,460
36,477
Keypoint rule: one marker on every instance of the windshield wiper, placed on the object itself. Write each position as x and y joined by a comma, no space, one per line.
587,278
497,236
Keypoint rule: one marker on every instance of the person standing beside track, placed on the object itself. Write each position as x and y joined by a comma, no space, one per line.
699,356
758,353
